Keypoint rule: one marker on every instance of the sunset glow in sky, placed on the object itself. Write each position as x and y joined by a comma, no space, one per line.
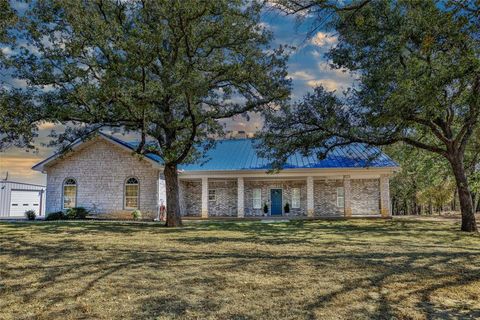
307,68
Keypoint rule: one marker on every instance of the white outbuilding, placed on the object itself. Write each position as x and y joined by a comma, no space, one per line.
18,197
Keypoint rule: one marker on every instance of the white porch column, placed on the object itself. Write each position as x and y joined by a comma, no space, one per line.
240,198
347,192
310,199
204,197
385,196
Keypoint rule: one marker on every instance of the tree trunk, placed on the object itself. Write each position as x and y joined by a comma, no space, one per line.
465,198
454,202
174,218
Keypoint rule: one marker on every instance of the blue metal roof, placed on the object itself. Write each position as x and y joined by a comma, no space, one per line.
240,154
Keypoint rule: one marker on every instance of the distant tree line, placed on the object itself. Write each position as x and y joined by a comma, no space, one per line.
425,184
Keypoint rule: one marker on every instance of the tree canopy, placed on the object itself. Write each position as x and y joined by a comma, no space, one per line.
169,70
419,83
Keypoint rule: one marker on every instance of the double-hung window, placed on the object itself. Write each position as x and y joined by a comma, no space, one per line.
296,198
340,197
257,198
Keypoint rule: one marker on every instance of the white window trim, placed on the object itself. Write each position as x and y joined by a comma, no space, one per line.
296,202
214,195
340,197
125,194
259,198
63,192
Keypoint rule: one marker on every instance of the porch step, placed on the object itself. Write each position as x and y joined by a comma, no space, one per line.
274,220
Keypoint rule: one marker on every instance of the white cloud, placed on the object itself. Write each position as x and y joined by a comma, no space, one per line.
322,39
316,53
325,68
301,75
265,25
6,51
328,84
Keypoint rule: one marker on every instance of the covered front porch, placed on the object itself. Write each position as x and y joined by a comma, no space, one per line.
256,195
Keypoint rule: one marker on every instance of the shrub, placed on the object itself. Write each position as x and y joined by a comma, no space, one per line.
287,207
55,216
76,213
265,208
70,214
136,215
30,214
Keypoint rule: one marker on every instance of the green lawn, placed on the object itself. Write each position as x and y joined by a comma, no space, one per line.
370,269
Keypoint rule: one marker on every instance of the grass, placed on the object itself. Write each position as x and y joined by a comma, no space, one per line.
358,269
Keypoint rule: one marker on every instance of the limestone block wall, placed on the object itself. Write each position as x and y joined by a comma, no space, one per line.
265,187
191,198
365,196
325,198
225,203
100,170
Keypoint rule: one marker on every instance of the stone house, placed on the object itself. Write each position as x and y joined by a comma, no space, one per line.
105,175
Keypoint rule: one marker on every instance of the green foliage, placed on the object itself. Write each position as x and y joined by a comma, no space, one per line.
265,208
168,70
437,195
420,170
18,119
136,215
7,19
76,213
59,215
418,70
30,214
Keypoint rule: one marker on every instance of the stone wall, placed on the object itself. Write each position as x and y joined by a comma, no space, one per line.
265,187
191,198
225,203
325,198
365,196
100,169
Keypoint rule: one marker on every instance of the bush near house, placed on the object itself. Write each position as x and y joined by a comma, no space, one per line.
78,213
59,215
136,215
30,214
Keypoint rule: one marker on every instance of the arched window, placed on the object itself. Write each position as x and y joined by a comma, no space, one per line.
69,193
131,193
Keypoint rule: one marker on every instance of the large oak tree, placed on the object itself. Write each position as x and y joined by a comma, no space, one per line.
418,64
169,70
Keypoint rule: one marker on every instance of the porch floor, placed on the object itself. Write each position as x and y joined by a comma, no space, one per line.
273,218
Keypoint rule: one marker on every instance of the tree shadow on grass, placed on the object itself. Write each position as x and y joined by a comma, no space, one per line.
64,262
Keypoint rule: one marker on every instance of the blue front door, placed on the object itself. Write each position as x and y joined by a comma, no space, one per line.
276,199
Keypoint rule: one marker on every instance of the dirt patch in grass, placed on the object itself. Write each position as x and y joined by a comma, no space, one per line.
358,269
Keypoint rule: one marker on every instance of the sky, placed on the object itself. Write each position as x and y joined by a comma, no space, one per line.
307,67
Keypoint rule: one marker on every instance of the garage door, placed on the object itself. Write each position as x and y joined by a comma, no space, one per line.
23,200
